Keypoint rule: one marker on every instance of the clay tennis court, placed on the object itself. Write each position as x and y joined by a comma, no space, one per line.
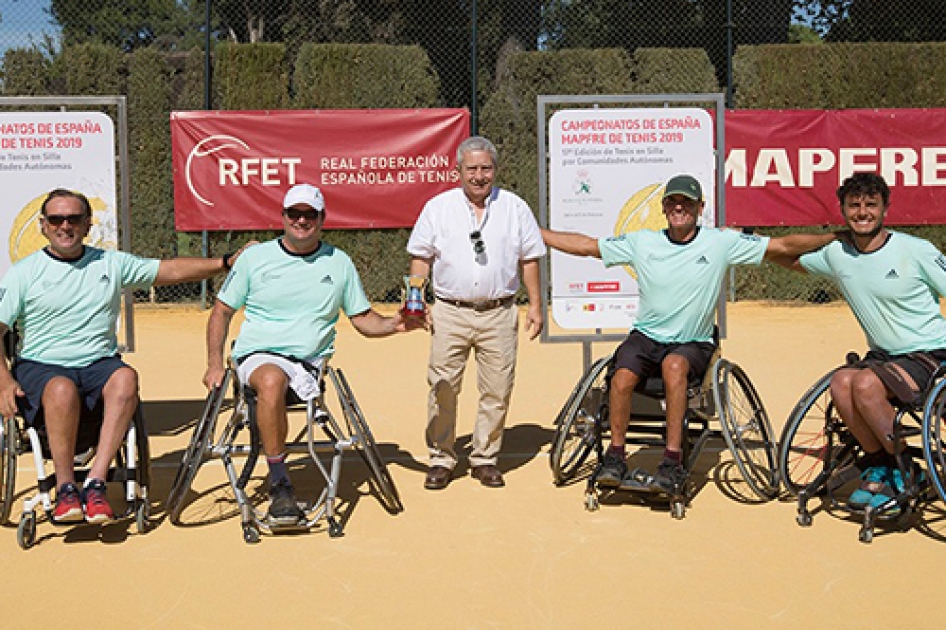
526,556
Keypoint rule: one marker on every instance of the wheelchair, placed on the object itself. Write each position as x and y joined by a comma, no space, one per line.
819,457
725,394
326,453
131,468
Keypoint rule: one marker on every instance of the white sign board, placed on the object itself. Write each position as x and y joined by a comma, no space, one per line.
40,151
608,169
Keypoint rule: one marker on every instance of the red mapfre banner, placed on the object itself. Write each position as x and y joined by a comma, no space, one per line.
784,166
376,168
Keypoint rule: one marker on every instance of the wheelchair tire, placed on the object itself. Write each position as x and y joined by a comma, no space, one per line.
934,437
746,428
575,431
366,446
811,430
26,530
9,449
194,454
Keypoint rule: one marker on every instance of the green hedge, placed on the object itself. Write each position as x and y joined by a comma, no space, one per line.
251,76
840,76
25,72
149,135
338,76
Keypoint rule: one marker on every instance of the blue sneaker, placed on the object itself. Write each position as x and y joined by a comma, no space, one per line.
891,488
874,479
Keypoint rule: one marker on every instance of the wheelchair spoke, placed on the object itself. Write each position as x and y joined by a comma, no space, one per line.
746,428
576,431
934,433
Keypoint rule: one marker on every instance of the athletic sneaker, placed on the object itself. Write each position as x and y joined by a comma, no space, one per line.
97,509
68,506
670,477
873,481
612,470
893,485
284,510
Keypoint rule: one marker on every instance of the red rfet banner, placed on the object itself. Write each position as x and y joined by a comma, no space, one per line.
784,166
376,168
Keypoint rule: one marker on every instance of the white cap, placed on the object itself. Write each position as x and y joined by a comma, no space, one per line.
307,194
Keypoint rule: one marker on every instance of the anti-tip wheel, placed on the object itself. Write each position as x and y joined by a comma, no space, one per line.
250,534
26,531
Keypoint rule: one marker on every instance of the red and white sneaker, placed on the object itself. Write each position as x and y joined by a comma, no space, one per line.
68,506
97,509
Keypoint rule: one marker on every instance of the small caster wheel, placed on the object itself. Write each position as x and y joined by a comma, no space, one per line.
250,534
803,519
142,518
678,510
334,528
866,535
26,531
591,502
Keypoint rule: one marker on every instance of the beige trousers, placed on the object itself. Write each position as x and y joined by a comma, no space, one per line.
492,335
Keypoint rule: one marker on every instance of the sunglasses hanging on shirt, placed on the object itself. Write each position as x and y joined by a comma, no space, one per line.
477,239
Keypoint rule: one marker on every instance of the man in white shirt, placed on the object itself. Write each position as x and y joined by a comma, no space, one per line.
473,242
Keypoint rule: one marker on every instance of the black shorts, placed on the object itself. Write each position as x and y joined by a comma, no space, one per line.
919,365
90,380
642,355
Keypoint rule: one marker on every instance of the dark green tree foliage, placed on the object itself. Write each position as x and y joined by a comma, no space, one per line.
251,76
152,194
127,24
25,72
839,76
334,76
90,69
872,21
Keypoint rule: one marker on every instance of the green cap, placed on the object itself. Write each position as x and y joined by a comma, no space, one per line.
684,185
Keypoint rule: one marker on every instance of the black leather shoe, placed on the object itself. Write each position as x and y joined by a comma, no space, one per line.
438,477
488,475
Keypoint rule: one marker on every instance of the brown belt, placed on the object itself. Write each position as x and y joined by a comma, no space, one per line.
485,305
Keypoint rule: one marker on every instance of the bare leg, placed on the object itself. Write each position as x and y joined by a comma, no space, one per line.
120,397
862,401
271,384
674,370
623,383
61,407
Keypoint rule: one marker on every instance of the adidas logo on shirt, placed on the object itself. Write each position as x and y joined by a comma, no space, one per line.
702,260
104,278
892,275
327,279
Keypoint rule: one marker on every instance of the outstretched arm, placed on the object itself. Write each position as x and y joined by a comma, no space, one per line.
571,243
175,270
786,250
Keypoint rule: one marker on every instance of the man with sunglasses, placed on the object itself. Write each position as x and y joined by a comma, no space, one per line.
291,289
473,242
64,301
680,271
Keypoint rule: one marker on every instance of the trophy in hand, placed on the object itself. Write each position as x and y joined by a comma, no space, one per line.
414,305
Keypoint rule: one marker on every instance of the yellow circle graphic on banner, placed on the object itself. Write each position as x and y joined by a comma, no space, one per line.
26,236
643,211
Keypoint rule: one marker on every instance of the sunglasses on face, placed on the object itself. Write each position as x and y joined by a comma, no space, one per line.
56,220
477,239
295,215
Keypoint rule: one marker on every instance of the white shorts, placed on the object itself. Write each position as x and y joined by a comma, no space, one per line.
305,377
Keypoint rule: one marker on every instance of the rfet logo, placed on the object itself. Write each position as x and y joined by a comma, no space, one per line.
234,164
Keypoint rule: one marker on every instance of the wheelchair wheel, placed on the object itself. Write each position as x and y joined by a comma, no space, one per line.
194,454
366,445
746,428
934,437
575,432
810,439
9,447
